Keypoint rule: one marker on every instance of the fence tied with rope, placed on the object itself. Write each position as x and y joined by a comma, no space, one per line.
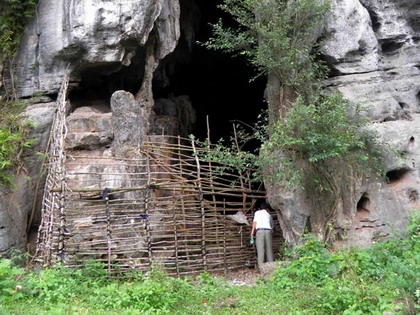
165,204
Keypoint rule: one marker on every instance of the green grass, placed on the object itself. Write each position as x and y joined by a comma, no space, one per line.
384,279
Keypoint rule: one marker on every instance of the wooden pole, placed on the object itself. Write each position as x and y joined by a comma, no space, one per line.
224,240
203,222
175,239
146,211
108,233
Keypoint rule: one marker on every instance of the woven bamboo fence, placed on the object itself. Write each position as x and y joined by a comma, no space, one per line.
176,212
166,206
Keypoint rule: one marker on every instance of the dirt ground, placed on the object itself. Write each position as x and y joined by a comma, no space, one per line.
244,276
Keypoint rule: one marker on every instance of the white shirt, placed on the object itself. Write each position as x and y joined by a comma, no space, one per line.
263,219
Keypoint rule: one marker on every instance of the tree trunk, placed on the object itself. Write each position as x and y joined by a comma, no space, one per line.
280,99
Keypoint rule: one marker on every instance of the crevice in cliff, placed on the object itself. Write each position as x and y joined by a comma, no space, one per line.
413,195
392,46
363,212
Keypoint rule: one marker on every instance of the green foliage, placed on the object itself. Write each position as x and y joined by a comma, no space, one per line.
13,17
379,280
14,140
155,293
277,37
413,227
325,135
312,265
322,133
383,278
9,286
230,157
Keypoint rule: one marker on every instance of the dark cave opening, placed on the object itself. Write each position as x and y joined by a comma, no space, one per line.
219,86
98,81
396,174
364,203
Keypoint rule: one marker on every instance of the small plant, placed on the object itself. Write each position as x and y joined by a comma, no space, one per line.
10,288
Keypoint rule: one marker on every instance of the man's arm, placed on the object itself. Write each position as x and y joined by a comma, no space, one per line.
254,224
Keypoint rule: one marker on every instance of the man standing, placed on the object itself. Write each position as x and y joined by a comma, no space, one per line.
263,226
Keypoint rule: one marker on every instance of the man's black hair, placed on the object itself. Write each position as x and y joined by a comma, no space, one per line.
263,205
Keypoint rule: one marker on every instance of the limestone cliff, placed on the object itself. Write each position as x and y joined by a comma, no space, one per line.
371,46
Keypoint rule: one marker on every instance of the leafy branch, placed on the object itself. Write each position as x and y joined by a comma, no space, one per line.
326,136
277,37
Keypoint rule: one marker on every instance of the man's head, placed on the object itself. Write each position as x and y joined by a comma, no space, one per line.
263,205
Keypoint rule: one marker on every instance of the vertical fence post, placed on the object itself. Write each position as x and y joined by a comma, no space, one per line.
203,222
108,232
224,237
146,211
175,238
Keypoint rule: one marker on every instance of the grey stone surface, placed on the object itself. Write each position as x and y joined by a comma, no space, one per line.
382,74
72,35
126,120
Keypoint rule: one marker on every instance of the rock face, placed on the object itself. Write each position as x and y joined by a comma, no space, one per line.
105,47
116,52
77,36
17,207
373,50
380,70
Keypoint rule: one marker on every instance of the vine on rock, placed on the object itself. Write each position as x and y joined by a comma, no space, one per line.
14,132
13,17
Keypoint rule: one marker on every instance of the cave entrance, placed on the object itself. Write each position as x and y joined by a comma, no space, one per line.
219,85
364,203
223,89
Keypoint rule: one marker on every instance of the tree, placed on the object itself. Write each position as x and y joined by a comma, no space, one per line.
314,140
277,37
